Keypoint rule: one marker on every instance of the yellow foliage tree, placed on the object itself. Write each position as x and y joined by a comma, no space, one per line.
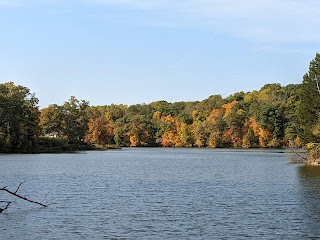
97,132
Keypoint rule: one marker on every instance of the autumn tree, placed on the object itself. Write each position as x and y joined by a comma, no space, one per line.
97,131
215,128
234,117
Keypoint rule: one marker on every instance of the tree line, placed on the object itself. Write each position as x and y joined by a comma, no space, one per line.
273,117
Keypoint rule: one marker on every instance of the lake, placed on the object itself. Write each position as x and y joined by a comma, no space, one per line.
157,193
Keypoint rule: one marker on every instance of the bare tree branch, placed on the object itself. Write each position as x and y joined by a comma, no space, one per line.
292,150
6,207
298,154
45,197
19,187
317,81
19,196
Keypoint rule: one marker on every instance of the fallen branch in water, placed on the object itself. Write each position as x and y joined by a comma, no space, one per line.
18,196
298,154
6,207
304,158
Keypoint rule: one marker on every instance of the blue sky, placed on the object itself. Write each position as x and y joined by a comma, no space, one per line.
138,51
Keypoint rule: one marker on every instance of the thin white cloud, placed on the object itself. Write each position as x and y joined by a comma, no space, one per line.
256,20
138,4
285,21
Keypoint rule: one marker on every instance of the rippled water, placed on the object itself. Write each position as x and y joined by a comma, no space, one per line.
161,194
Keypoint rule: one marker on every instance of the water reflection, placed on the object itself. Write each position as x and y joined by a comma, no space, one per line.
309,179
311,172
162,194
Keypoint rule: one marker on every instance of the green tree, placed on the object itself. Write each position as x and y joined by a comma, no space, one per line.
271,118
75,119
51,119
309,105
19,118
292,128
205,107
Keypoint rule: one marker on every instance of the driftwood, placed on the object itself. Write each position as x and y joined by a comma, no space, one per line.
298,154
301,158
15,193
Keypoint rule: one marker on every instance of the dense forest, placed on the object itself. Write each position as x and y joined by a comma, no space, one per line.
273,117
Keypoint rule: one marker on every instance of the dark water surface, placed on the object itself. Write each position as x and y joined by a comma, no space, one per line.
161,194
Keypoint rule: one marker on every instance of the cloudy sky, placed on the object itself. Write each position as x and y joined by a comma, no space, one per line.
139,51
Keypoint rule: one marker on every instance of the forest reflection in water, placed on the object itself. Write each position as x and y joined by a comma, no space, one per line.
309,189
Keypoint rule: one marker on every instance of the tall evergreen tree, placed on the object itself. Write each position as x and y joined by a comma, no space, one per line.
309,106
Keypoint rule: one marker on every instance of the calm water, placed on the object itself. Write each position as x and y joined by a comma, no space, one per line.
161,194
